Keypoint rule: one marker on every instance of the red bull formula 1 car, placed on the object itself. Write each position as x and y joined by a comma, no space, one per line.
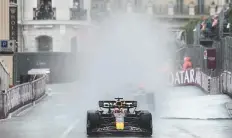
119,119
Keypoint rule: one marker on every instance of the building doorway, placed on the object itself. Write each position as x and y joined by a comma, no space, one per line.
44,43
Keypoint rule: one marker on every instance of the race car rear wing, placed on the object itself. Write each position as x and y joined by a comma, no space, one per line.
113,104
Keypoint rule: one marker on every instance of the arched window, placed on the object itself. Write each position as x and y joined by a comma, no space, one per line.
44,43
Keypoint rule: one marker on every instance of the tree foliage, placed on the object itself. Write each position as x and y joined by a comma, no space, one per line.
189,27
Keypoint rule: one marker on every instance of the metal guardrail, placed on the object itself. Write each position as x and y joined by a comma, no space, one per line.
4,77
20,95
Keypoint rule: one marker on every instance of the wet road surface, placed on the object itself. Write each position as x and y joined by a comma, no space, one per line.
180,113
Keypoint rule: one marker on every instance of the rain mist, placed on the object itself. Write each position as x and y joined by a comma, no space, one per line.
125,51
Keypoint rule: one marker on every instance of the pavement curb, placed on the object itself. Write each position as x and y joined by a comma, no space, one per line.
228,110
14,113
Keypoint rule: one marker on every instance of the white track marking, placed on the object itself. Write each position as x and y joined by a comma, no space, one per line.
25,111
70,128
60,117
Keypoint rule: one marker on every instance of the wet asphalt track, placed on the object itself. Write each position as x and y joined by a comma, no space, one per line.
62,115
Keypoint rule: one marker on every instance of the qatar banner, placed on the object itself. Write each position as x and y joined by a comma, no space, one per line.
188,77
211,58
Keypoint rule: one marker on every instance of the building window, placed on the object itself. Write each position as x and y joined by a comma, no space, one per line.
13,1
77,12
76,3
44,10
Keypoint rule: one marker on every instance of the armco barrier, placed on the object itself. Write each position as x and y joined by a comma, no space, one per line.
226,83
4,76
211,85
21,95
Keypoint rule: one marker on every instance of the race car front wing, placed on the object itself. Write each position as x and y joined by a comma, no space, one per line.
113,130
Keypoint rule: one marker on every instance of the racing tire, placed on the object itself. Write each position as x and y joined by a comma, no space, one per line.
93,121
146,122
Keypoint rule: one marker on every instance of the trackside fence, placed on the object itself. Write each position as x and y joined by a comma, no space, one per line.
4,76
221,84
211,57
20,95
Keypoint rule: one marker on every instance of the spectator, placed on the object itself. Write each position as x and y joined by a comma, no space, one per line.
209,26
187,63
215,21
209,23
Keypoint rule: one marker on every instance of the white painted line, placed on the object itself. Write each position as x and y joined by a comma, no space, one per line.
54,93
24,111
69,129
60,105
60,117
186,132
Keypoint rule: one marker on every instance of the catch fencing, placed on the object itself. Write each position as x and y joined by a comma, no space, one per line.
200,56
20,95
226,53
211,55
213,81
196,52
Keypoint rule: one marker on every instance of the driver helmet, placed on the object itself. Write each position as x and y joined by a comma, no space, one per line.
116,110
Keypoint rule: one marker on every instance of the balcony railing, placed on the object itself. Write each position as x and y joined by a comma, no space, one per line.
190,9
44,15
78,14
99,14
13,1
